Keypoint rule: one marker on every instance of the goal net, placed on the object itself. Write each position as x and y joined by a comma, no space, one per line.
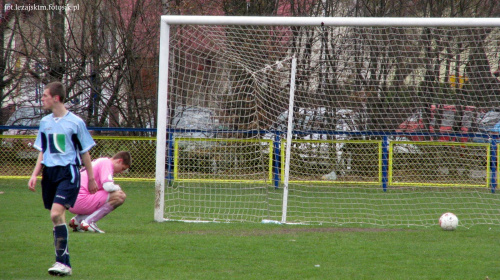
342,121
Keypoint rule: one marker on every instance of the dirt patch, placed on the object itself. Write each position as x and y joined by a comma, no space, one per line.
282,230
337,229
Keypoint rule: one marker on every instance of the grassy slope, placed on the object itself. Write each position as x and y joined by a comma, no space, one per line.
136,247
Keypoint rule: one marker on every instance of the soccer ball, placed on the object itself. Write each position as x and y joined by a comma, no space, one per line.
448,221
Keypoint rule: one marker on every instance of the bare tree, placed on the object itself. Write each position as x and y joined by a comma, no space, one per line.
105,52
12,64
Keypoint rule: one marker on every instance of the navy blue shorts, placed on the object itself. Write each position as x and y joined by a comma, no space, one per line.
60,184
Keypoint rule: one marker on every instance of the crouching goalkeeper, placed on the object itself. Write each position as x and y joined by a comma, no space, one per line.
90,208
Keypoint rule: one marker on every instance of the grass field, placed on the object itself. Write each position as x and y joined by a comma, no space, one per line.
136,247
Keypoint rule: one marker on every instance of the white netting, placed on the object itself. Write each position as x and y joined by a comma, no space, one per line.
391,126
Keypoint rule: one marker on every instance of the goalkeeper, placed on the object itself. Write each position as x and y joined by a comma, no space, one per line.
91,207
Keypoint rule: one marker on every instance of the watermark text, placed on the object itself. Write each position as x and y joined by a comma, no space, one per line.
37,7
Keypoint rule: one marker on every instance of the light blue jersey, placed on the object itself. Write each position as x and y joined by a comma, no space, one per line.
63,140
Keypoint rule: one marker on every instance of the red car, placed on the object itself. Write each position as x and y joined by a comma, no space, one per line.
442,120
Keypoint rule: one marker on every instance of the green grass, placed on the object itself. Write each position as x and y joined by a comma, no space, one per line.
136,247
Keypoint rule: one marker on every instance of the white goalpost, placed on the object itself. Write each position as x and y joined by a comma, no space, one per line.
336,121
289,136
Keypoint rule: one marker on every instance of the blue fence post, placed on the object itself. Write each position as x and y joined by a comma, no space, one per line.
385,162
170,157
276,160
493,165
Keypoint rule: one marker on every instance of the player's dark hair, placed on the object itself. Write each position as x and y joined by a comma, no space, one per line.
57,89
125,157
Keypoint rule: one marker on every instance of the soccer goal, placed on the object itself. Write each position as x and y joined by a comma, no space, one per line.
341,121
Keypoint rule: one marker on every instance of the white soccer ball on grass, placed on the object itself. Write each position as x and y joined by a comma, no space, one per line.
448,221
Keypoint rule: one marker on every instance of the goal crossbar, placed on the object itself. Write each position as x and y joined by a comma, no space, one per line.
332,21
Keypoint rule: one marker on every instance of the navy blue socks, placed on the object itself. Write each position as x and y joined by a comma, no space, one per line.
61,244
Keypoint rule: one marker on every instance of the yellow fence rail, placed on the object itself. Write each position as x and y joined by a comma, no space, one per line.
18,157
223,160
439,164
334,161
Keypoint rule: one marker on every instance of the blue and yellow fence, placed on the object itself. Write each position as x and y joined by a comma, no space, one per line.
363,162
18,157
368,162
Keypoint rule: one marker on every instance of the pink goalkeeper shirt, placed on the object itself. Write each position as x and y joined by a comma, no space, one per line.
86,202
103,172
